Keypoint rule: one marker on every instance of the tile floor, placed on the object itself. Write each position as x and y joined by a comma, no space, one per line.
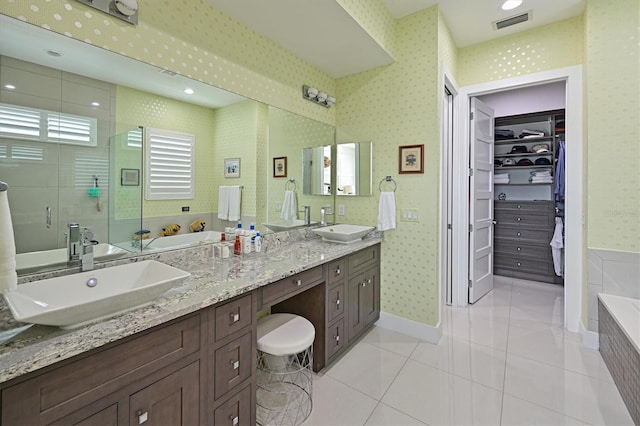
504,361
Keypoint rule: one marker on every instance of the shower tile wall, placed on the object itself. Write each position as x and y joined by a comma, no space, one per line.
55,175
611,272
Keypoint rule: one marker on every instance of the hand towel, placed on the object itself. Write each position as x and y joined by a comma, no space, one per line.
229,203
387,211
289,206
8,275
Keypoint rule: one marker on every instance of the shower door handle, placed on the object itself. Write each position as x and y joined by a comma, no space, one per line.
48,217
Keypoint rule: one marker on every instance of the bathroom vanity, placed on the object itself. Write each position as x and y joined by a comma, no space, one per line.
190,357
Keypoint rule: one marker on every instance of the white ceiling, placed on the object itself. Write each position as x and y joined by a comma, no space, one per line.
324,34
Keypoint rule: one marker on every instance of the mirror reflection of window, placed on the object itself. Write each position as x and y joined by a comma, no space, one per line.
347,172
326,178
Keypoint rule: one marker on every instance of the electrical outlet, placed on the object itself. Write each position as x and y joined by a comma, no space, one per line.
185,208
278,207
340,209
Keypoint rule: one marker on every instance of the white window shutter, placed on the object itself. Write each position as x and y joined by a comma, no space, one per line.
170,165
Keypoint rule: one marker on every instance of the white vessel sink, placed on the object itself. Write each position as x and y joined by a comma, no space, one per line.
286,225
343,233
69,301
35,261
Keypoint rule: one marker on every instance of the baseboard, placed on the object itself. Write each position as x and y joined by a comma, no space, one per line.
425,332
590,339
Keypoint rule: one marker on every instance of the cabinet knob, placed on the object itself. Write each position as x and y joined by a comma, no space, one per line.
518,205
518,263
518,234
369,281
364,283
235,364
337,339
518,219
143,416
518,249
298,283
234,419
235,317
338,270
337,303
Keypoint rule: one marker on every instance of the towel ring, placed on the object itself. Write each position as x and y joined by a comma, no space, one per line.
388,179
288,188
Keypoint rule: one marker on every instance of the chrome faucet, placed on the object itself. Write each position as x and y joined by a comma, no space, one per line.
80,244
323,216
307,214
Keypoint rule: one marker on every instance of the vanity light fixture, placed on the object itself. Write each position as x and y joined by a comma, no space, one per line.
511,4
189,91
126,10
314,95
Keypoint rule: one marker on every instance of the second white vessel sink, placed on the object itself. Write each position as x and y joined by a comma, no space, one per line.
343,233
73,300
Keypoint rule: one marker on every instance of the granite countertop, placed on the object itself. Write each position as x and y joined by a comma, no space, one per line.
211,281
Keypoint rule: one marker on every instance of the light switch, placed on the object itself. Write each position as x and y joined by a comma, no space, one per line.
340,209
410,215
278,207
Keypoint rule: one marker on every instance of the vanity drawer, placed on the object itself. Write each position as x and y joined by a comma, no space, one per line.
233,316
335,302
363,259
236,411
233,364
336,337
291,285
337,270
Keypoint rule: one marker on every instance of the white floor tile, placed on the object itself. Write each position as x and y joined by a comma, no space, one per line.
465,325
575,395
516,412
391,341
384,415
367,368
336,404
439,398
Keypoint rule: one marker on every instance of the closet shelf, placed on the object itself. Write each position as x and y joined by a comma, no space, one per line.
522,184
523,140
524,154
549,166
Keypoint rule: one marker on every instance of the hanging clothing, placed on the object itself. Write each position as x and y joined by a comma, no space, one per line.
559,189
557,245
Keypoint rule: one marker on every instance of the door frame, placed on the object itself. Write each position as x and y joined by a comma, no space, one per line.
575,171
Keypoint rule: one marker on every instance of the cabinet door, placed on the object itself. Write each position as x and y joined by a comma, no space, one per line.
335,302
354,305
370,297
173,400
335,338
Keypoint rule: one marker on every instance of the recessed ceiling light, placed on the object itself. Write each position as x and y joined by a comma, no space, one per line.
188,91
511,4
53,53
9,86
96,104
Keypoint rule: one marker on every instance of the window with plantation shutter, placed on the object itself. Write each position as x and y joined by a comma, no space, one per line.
18,122
169,165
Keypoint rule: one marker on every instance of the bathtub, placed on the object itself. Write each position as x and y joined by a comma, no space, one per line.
619,330
179,241
35,261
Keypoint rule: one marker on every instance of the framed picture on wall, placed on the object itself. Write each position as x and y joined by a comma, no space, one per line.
129,177
232,167
411,159
279,167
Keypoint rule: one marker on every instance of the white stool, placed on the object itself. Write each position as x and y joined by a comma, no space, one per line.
284,380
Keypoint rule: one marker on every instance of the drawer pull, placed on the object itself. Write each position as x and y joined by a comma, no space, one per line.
518,263
337,339
235,317
338,271
235,364
337,303
234,419
518,234
143,416
298,283
518,205
364,283
518,219
369,281
518,249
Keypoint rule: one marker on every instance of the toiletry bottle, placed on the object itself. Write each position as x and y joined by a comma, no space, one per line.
246,244
237,247
258,242
252,235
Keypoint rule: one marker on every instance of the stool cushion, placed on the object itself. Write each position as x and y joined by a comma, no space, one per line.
284,334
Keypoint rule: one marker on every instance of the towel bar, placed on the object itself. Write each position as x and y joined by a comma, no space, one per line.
388,179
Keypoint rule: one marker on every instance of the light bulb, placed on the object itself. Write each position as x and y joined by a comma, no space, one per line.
322,97
331,100
312,92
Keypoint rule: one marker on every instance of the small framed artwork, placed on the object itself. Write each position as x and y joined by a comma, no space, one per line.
129,177
279,167
411,159
232,167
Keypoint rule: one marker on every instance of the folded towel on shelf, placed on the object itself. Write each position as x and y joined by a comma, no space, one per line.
535,179
229,203
541,173
387,211
501,178
289,206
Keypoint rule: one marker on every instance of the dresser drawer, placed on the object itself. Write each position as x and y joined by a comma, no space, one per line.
525,206
542,219
287,286
524,264
337,271
512,232
233,364
233,316
336,337
335,302
515,249
363,259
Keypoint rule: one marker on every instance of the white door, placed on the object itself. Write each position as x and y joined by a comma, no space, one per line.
481,203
